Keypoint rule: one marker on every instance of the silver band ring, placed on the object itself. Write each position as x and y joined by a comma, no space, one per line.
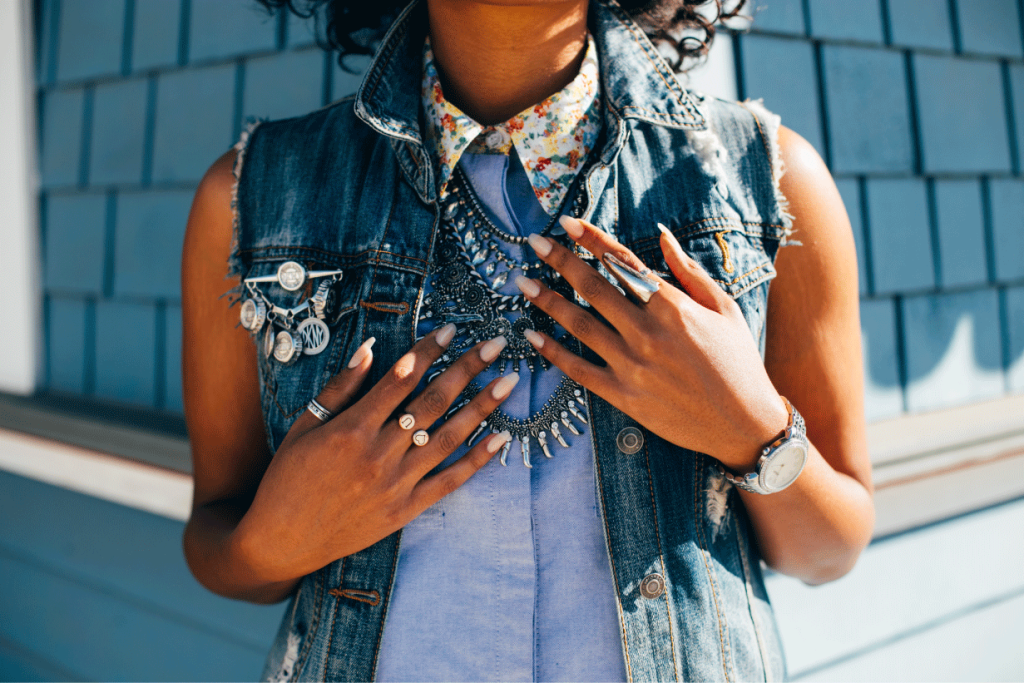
420,437
319,412
640,284
407,421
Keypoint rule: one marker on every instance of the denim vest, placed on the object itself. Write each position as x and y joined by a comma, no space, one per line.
352,187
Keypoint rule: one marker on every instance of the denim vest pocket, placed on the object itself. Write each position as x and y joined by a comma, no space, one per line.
288,388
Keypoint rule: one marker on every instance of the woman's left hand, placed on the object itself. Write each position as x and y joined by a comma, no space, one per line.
684,364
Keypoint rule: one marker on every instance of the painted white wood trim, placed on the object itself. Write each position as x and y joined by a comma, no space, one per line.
137,485
900,585
20,361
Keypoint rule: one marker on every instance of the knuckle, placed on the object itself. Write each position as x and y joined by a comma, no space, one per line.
582,325
592,287
448,485
480,410
448,441
559,257
434,400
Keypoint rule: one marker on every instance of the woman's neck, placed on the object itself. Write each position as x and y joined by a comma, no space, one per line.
496,60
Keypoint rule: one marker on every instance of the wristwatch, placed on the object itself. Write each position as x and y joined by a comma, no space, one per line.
781,461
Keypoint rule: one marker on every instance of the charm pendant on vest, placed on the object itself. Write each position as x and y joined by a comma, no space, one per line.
284,339
291,276
314,334
287,347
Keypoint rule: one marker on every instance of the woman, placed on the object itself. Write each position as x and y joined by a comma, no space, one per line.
487,208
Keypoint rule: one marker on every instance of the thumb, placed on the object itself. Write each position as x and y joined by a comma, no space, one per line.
694,280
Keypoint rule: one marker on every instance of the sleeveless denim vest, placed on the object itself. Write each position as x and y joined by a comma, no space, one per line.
352,187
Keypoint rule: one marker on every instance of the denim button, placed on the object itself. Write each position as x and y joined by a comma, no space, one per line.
652,586
630,440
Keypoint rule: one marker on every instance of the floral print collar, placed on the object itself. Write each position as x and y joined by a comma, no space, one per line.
552,138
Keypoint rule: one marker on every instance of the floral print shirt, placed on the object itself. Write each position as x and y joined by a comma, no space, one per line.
552,139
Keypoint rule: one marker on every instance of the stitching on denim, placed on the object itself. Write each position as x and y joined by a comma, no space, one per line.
724,246
396,307
661,556
745,563
384,610
769,275
644,42
697,523
383,237
611,553
369,597
335,256
314,626
334,621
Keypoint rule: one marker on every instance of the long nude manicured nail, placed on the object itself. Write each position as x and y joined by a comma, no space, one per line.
497,441
361,353
505,386
492,348
527,286
573,228
444,335
541,245
535,339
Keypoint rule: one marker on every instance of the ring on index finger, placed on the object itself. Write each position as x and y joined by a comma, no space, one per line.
640,284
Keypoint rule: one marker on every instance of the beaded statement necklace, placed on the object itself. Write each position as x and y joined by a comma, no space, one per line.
473,300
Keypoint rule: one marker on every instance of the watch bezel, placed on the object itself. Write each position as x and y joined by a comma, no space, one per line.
792,441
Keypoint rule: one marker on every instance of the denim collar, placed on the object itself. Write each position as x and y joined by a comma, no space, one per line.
637,83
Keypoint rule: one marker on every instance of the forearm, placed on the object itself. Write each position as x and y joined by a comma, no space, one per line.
219,560
816,528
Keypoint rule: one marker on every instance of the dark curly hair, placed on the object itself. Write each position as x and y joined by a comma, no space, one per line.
685,27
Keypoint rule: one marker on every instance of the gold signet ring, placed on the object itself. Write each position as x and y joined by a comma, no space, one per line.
407,421
420,438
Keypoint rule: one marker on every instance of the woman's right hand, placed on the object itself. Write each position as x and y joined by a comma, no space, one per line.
337,487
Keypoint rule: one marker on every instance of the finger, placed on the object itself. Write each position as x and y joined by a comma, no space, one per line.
460,426
588,283
608,343
597,241
437,486
583,372
439,395
338,391
395,386
694,280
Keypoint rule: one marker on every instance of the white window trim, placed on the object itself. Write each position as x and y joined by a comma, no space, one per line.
21,360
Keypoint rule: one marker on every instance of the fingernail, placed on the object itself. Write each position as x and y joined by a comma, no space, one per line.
492,348
541,245
505,386
572,227
527,286
535,339
444,335
361,353
661,226
497,441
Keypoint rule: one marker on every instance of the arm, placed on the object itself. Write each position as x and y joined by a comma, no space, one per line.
250,537
685,366
816,528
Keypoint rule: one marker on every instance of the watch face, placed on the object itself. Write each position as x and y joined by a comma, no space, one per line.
783,466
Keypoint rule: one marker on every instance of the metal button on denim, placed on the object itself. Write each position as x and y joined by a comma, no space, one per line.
630,440
652,586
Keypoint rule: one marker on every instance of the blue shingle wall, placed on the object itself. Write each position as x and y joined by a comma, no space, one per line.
917,105
137,98
922,119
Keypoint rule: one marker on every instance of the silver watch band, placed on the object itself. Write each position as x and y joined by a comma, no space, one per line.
795,430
